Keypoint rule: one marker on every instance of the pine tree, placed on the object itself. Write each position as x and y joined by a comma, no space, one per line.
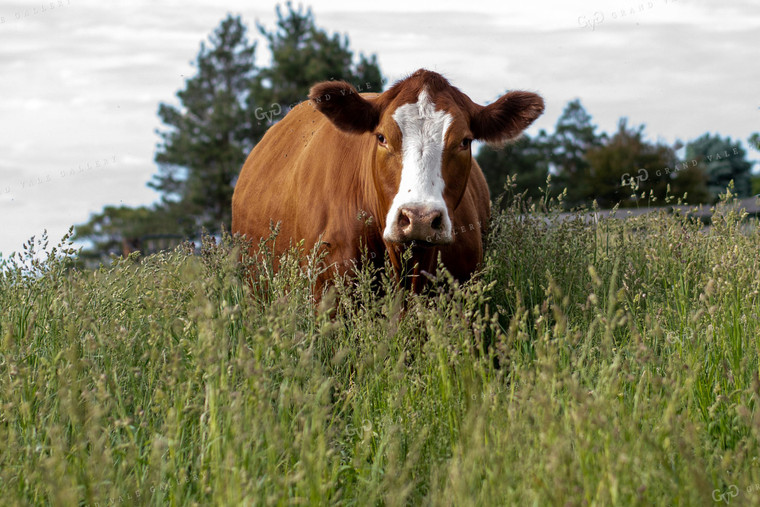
574,135
120,230
527,158
302,55
754,144
208,138
723,160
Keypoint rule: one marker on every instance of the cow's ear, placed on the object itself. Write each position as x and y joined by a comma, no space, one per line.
506,118
345,108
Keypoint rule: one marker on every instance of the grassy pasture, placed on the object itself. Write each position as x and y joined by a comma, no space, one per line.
604,363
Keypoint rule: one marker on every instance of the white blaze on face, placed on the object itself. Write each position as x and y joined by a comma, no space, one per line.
423,133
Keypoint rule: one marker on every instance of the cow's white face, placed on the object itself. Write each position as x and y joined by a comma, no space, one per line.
418,210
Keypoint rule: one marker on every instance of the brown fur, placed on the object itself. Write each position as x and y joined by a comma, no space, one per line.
321,167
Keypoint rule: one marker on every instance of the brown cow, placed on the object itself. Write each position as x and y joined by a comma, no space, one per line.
383,172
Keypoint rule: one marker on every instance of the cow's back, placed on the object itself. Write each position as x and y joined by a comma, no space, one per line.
302,174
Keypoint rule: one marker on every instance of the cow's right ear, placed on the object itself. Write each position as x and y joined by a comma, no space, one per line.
344,107
506,118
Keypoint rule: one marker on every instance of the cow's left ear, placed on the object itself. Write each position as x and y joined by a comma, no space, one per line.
344,107
506,118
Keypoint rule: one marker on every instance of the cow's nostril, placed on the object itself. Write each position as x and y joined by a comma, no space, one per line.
403,220
437,222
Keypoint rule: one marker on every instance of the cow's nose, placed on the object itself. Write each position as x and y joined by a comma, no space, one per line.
420,224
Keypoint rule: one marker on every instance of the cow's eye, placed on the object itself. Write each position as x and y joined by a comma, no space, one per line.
465,144
381,140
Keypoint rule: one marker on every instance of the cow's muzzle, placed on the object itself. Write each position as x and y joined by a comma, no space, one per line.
422,224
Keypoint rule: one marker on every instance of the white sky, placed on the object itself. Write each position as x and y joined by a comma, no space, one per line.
80,83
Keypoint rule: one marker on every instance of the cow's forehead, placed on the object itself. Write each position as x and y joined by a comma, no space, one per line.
422,106
422,118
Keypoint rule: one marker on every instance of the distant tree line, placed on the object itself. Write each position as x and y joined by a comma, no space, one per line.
228,105
623,168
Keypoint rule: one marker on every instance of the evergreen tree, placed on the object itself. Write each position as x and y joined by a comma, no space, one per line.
723,160
527,158
754,144
574,135
119,229
210,136
754,141
302,55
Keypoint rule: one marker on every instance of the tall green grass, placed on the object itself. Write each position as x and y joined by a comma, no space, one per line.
604,362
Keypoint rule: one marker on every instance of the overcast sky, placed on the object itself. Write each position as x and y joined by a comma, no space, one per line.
81,80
